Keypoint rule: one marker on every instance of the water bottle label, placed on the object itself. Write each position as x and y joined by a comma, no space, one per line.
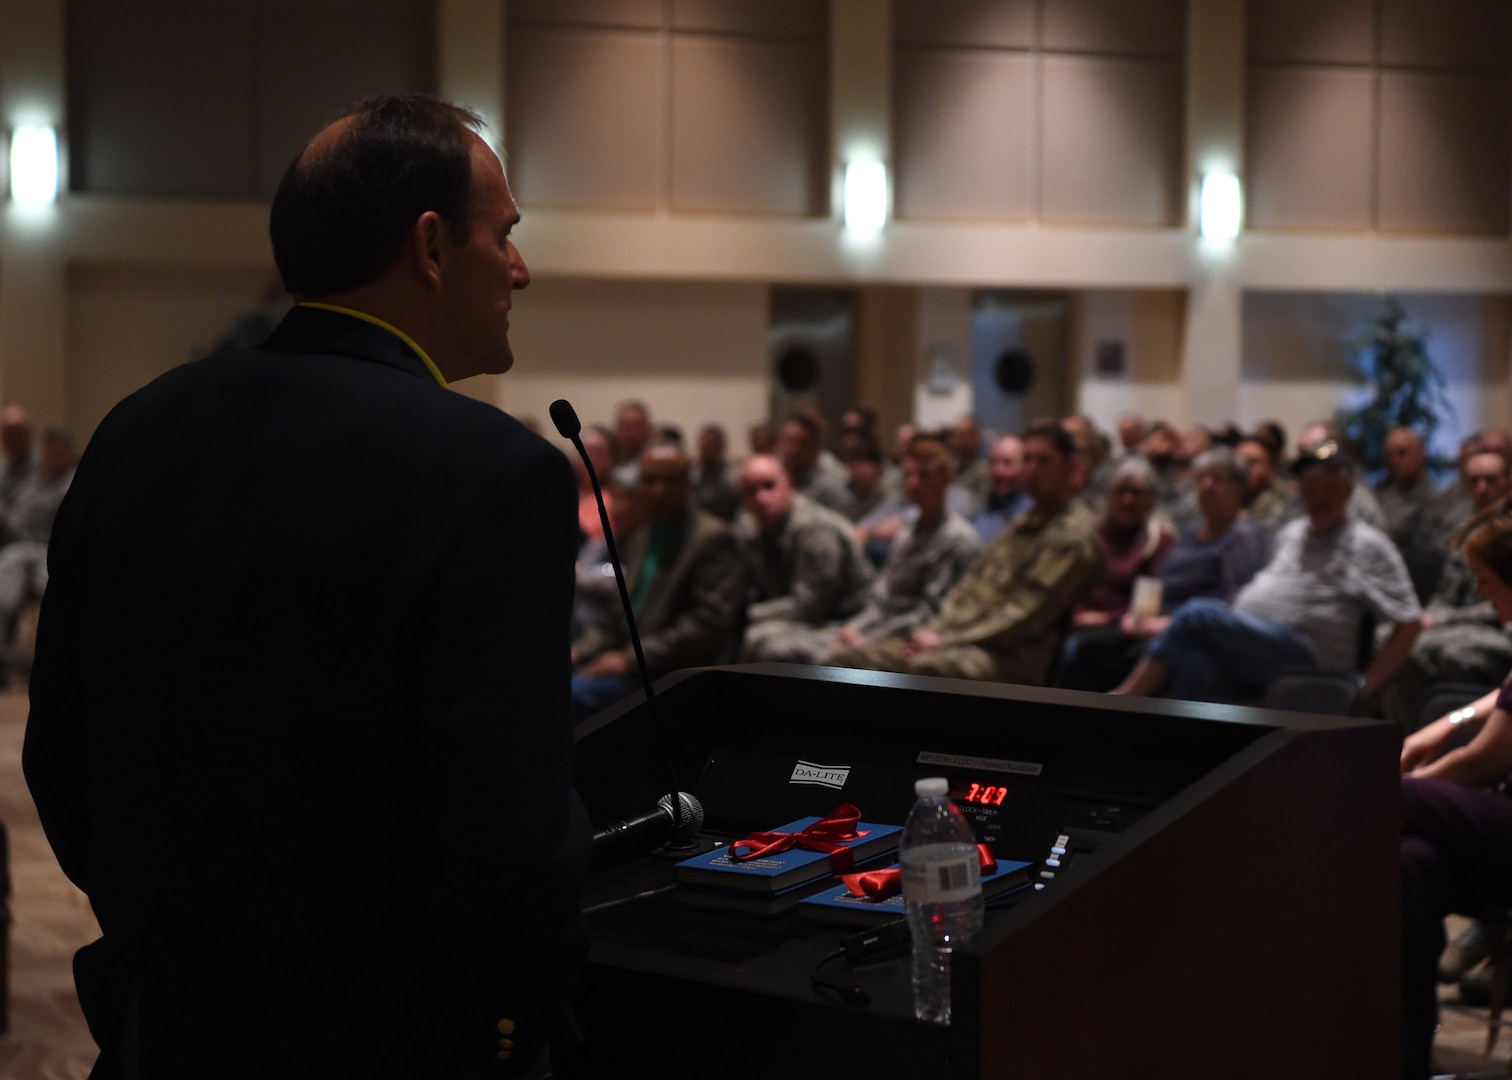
935,881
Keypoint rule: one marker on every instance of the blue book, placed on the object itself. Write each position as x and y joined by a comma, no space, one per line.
839,906
795,866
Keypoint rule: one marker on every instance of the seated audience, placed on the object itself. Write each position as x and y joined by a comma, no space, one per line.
26,524
800,444
1363,505
1463,638
1003,619
18,451
1304,609
804,561
1407,493
1214,559
971,465
633,432
686,586
1134,542
1006,495
863,488
1456,811
1269,500
715,486
596,599
1096,461
602,450
928,556
1131,432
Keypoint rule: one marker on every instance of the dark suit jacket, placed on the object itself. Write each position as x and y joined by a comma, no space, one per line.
301,713
688,616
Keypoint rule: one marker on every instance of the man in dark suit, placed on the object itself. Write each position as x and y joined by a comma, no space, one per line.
301,720
686,583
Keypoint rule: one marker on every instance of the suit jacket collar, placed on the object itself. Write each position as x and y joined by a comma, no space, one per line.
308,329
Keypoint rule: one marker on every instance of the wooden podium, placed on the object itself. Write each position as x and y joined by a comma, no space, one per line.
1230,908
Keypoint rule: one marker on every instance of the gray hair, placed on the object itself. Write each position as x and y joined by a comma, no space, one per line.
1135,467
1222,457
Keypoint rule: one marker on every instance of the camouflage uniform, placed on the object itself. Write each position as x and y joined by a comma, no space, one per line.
1405,510
810,574
1003,620
922,567
1467,643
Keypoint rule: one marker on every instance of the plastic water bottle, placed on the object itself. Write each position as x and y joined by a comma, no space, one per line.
942,892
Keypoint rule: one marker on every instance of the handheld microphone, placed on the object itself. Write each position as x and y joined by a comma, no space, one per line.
646,831
565,417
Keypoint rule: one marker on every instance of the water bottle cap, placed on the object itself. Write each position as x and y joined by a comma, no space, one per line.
931,786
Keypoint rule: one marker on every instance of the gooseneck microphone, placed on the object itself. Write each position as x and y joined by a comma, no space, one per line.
565,417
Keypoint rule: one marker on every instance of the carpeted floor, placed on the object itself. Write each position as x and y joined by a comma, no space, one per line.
48,1040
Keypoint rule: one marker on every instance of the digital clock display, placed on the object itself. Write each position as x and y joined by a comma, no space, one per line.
979,794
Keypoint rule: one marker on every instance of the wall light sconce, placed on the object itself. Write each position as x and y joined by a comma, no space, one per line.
865,196
34,165
1221,206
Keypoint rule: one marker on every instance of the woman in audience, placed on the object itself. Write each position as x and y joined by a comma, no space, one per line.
1214,559
1456,809
1135,542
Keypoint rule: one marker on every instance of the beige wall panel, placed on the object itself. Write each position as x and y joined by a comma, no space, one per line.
1111,141
1446,33
1309,150
693,351
129,324
1312,31
776,17
583,118
308,67
1003,24
1150,27
160,101
622,13
1149,324
963,135
1444,153
748,126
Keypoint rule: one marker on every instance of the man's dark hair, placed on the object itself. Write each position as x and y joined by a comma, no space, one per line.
340,213
1262,444
1055,435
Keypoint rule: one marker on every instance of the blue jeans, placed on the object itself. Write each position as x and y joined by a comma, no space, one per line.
593,694
1216,654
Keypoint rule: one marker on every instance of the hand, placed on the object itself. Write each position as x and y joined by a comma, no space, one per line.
1091,618
605,663
1147,627
921,641
1425,745
848,636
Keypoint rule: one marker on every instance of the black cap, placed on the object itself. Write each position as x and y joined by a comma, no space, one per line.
1328,452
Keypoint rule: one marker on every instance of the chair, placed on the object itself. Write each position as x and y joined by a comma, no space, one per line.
1424,566
1497,923
1309,690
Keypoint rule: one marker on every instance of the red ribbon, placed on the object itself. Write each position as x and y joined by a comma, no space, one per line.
880,884
832,835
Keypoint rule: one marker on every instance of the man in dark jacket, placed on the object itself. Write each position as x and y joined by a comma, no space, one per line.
686,584
300,716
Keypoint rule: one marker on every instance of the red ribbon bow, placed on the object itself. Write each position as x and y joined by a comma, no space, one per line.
831,835
880,884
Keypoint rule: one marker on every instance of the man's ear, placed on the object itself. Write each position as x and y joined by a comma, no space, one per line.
428,240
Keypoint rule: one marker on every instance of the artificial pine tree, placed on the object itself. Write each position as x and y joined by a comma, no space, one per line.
1409,390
